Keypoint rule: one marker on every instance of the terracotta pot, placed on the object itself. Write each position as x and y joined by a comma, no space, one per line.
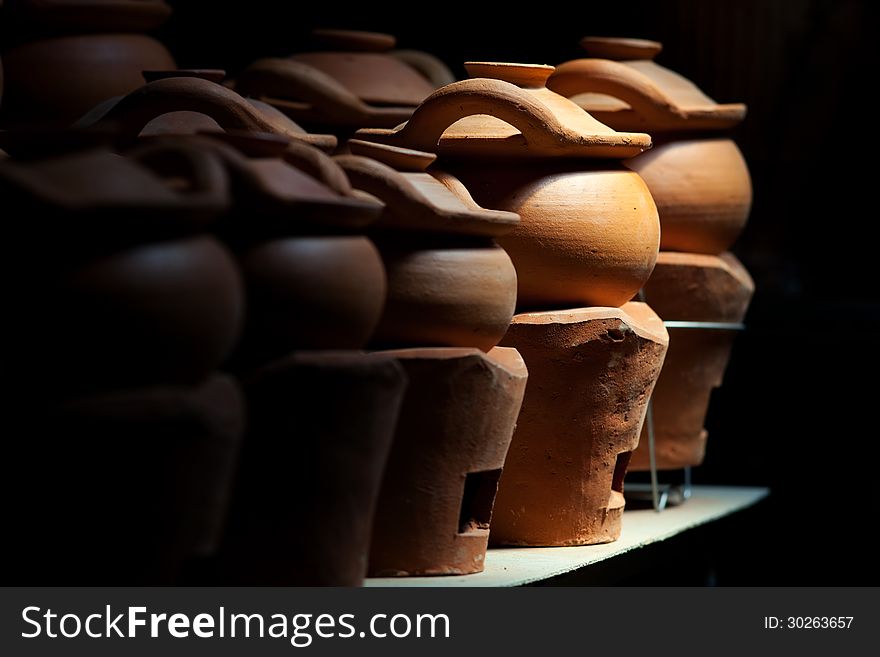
353,82
61,78
699,180
691,288
321,425
455,426
163,312
91,15
519,147
187,104
591,373
311,293
309,284
138,483
449,284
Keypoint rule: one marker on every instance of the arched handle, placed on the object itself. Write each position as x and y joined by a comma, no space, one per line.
319,166
199,166
647,100
309,92
503,100
134,111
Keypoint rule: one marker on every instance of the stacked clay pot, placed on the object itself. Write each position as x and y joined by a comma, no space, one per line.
451,297
586,243
353,80
70,55
701,185
321,413
120,310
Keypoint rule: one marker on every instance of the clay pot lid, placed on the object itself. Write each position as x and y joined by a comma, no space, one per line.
416,200
361,63
507,113
636,315
618,48
305,92
277,187
186,105
103,15
98,197
352,40
211,74
627,90
699,288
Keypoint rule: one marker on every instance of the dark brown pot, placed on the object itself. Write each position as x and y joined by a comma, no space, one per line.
691,288
439,487
124,488
591,373
157,313
321,424
311,293
62,78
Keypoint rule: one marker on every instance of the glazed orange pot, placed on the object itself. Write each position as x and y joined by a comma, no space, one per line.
449,283
589,231
697,176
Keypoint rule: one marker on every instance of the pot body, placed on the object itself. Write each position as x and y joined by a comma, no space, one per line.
60,79
163,312
587,236
702,190
322,292
445,292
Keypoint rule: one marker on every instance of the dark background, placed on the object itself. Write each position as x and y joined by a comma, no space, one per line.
796,411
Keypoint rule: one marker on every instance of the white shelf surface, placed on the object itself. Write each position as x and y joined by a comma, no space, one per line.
642,527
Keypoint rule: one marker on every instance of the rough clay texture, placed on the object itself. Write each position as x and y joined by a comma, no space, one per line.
138,482
320,427
591,373
587,236
702,190
454,430
696,288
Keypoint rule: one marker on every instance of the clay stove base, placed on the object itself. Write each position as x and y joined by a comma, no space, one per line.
641,528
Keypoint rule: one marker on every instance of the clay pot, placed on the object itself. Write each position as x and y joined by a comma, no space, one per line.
137,482
591,373
698,179
449,283
519,147
354,82
437,494
186,104
691,288
126,293
59,79
311,283
321,425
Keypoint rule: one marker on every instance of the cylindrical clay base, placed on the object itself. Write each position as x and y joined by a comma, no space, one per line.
591,373
439,487
696,288
320,426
